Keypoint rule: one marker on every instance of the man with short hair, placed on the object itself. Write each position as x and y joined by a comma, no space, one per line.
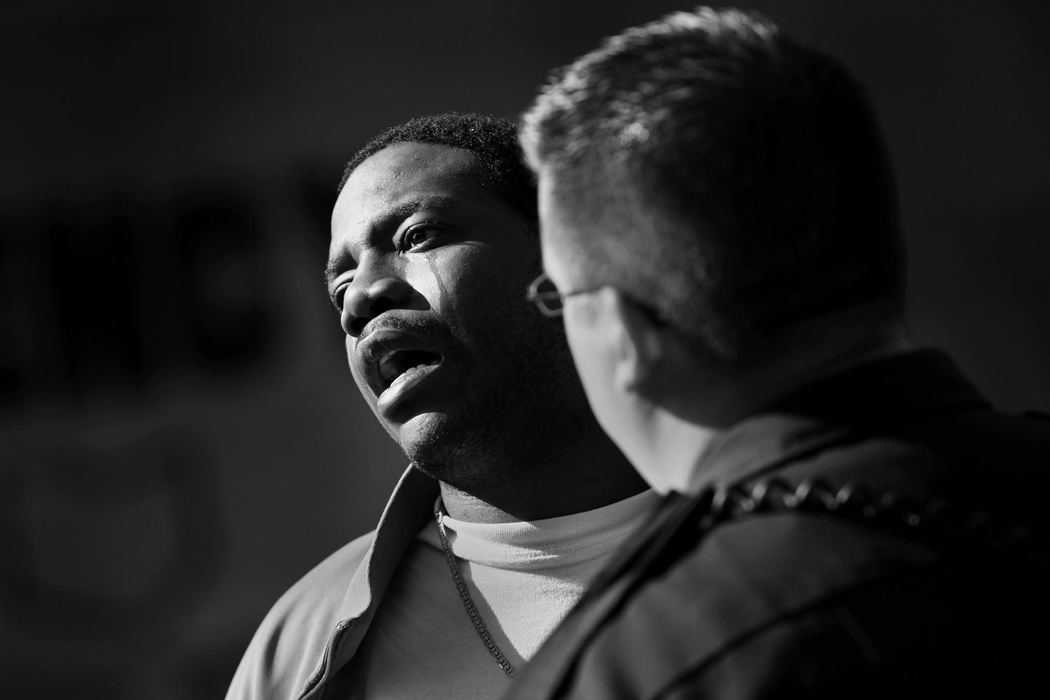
719,227
514,497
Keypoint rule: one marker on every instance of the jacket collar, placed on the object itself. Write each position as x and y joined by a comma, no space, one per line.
408,508
404,515
895,390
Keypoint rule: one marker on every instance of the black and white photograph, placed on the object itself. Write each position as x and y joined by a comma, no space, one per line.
524,350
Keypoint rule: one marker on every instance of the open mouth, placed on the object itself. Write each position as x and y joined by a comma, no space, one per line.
399,366
408,370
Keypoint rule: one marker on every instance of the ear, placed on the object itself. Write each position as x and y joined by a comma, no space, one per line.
639,341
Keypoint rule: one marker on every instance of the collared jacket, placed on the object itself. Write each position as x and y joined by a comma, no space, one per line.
317,625
943,595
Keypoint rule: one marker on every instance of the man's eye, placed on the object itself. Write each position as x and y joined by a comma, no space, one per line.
417,236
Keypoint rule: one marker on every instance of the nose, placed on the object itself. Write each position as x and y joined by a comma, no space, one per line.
362,303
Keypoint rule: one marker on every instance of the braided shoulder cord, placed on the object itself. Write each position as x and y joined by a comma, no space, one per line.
936,519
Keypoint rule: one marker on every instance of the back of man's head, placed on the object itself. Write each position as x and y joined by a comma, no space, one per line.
723,174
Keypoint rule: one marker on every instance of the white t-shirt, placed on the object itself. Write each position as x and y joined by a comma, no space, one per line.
524,577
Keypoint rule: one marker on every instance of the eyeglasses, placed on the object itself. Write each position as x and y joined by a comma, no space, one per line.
548,299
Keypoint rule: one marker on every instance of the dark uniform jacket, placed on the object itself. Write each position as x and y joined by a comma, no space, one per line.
879,534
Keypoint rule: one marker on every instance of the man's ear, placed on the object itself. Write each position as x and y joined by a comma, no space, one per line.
638,340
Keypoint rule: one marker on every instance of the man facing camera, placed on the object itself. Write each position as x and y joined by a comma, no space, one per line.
720,231
514,497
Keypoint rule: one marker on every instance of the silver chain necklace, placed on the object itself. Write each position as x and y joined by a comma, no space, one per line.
464,595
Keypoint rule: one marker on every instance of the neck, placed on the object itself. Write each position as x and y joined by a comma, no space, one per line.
693,403
671,448
716,396
588,473
464,506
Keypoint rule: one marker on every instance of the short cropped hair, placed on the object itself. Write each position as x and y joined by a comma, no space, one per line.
492,139
751,168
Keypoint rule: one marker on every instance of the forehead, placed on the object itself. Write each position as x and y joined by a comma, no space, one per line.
401,174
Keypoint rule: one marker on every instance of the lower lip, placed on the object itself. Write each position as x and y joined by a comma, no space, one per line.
396,398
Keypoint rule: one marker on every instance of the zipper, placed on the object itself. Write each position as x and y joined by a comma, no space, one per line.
329,650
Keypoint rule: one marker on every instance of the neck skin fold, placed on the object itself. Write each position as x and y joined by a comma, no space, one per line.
463,506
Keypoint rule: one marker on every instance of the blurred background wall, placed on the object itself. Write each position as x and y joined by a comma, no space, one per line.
179,436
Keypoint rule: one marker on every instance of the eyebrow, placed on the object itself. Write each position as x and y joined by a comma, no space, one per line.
343,259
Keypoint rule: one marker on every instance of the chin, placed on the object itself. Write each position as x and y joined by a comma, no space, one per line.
456,452
421,433
433,440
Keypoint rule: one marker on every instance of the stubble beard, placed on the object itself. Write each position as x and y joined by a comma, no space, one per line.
506,430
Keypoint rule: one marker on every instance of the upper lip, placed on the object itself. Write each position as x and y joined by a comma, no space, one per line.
379,340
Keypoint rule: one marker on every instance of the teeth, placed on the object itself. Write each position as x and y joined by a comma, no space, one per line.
395,366
410,372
